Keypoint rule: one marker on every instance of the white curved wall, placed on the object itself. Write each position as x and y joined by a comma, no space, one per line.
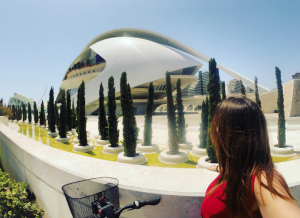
47,169
144,61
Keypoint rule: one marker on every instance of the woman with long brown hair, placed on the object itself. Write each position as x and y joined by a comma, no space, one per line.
248,184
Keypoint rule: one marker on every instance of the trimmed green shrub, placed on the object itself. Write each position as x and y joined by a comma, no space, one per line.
69,113
213,89
81,116
16,199
243,90
51,112
280,106
42,121
29,113
204,124
56,115
113,133
257,100
181,126
172,132
35,113
102,122
14,112
129,123
77,112
74,120
223,91
24,113
148,116
62,117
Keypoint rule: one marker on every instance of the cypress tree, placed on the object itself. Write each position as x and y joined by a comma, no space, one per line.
257,100
203,125
201,82
102,122
77,114
213,89
51,112
113,134
181,127
81,116
24,113
172,133
42,121
14,112
73,116
129,124
35,113
56,115
223,91
29,113
280,105
148,116
69,112
243,90
62,122
19,113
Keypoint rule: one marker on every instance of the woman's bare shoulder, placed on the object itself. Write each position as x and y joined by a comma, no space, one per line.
271,205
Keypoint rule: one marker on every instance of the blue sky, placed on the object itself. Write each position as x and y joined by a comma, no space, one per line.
39,39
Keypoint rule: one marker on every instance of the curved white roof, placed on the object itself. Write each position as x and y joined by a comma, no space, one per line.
164,40
144,61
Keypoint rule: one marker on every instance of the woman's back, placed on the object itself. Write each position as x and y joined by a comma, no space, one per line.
214,206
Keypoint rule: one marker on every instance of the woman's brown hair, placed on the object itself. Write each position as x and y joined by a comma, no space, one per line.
240,137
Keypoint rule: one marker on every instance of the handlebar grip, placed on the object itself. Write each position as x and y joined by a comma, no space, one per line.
152,201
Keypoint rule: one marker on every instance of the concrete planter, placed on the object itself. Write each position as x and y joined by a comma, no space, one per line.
168,158
80,148
283,152
67,139
29,122
202,163
76,140
185,146
198,152
112,150
147,149
97,137
53,134
139,159
100,142
4,120
139,141
70,133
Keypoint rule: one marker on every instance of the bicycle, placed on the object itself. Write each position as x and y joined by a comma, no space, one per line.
99,198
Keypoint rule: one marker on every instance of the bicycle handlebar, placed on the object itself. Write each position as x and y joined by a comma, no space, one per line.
138,205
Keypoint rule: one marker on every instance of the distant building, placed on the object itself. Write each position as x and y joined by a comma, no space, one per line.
198,87
235,87
249,90
296,76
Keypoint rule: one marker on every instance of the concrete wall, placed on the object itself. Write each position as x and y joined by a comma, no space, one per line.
291,93
4,120
47,169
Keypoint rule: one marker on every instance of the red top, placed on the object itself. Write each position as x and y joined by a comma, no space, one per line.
214,206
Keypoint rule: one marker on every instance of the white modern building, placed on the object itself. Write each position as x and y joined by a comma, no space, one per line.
145,56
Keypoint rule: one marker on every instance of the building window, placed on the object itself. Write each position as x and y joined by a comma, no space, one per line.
93,70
